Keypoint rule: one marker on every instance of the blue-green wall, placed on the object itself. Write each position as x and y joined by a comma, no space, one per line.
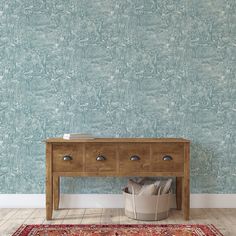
125,68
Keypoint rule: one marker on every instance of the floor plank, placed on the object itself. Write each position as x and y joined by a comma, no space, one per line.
110,216
6,213
37,217
1,222
22,213
74,216
10,226
58,217
92,216
11,219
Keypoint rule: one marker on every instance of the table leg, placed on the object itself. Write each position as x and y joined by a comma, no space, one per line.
186,181
179,193
56,192
49,183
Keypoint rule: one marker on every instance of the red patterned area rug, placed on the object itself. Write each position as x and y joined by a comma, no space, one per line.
118,230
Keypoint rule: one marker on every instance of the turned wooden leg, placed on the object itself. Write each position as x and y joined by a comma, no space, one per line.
186,183
49,183
56,192
179,193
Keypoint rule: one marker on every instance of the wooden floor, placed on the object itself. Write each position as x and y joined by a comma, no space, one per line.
11,219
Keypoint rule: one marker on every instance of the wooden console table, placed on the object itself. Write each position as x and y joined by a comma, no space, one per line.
117,157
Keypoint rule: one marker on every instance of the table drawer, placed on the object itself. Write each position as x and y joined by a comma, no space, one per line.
167,157
134,158
67,157
101,157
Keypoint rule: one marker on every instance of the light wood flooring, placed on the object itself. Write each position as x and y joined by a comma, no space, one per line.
11,219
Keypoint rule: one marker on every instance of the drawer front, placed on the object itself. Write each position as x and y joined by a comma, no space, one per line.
134,157
167,157
100,157
68,157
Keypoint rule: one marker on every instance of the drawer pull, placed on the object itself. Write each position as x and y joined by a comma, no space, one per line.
167,158
101,158
67,158
134,158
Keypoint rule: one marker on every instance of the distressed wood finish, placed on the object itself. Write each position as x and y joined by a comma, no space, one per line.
186,180
104,173
75,151
175,150
119,140
56,192
117,153
127,150
49,182
95,150
223,219
178,193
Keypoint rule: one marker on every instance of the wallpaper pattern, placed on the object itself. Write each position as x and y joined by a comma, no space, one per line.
117,68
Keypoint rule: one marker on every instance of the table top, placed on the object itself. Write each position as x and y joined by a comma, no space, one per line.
118,140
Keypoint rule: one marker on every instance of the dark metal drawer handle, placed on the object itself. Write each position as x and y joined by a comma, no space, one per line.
135,158
167,158
100,158
67,158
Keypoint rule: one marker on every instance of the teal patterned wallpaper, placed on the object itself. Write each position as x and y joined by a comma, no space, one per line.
117,68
